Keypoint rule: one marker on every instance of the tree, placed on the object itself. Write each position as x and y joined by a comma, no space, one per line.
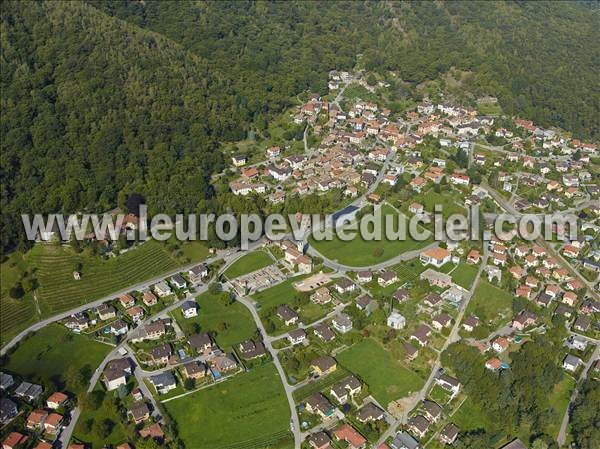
103,428
189,384
74,378
17,291
225,298
214,288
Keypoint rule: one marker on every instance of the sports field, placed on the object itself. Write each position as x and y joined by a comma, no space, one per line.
359,252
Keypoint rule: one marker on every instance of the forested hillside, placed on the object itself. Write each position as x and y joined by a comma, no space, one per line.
101,99
540,58
93,107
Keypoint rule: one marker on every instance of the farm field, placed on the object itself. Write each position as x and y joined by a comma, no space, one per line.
253,413
53,354
59,291
212,314
248,263
388,380
359,252
52,267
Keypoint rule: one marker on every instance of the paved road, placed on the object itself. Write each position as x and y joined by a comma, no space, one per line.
287,387
67,432
562,433
453,337
227,256
408,255
146,391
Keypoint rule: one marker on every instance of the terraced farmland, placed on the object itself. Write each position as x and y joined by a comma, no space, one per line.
15,314
59,291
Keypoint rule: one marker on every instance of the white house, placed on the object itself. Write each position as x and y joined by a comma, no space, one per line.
342,323
396,320
571,363
162,289
189,309
435,256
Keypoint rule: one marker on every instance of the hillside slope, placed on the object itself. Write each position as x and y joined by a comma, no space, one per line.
93,107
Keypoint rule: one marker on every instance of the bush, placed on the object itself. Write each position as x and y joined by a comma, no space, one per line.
17,291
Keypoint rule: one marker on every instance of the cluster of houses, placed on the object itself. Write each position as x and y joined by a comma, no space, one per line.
44,415
118,317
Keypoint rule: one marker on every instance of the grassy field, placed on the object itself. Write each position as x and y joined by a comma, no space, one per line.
252,412
492,305
280,294
284,293
359,252
388,380
469,417
447,200
16,313
53,352
52,266
248,263
323,384
559,400
84,429
239,323
464,275
489,108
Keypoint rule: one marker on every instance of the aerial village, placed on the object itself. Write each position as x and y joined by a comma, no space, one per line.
357,336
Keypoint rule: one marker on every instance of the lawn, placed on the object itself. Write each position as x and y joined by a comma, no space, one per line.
322,384
559,400
489,108
239,324
451,203
85,430
16,313
492,305
248,263
247,411
464,275
360,252
53,353
194,251
284,293
387,378
280,294
469,417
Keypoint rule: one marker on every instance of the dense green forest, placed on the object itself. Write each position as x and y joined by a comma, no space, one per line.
585,416
101,99
514,402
